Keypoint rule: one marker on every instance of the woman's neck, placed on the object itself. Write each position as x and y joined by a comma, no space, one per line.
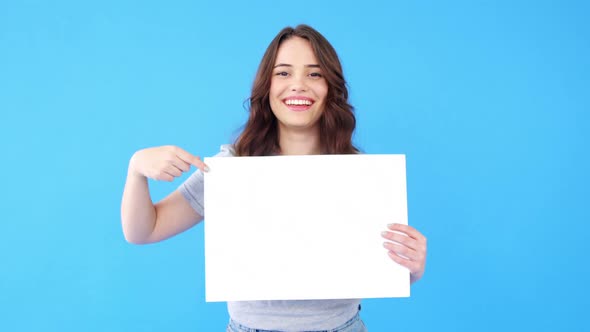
302,142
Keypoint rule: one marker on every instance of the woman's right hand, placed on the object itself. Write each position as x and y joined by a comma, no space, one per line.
164,163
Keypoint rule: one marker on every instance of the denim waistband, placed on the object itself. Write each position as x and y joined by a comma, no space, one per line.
235,326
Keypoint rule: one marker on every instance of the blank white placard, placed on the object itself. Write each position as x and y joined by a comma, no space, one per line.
303,227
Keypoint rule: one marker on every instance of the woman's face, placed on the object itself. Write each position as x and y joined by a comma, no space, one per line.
298,89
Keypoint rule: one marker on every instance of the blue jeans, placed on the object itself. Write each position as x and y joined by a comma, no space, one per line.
355,324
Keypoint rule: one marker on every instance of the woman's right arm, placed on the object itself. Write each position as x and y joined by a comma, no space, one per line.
144,222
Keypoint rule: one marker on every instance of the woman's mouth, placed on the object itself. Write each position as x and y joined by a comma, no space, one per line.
298,104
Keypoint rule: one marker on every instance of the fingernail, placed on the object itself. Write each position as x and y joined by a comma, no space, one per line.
391,225
384,233
206,168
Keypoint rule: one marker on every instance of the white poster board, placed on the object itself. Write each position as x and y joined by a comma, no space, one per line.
303,227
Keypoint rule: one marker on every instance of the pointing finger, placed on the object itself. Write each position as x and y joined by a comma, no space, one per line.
191,159
181,165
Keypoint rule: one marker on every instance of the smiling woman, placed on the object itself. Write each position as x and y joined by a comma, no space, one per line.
298,90
298,106
300,82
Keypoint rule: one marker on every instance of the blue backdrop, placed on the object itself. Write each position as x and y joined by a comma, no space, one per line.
488,99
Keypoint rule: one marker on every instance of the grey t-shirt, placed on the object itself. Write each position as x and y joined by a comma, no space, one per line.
301,315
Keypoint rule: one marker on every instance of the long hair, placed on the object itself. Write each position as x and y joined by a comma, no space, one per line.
260,136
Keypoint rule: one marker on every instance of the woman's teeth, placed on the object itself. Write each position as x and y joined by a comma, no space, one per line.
298,102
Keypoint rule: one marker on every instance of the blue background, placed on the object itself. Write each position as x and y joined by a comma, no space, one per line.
488,99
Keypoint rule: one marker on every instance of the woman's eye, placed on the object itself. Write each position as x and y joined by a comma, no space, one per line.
315,75
282,73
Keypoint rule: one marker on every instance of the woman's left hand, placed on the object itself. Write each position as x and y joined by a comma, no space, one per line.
407,247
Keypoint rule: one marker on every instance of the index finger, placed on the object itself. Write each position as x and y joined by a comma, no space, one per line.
191,159
409,230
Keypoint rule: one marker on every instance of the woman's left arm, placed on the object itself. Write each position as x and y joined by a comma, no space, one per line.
407,247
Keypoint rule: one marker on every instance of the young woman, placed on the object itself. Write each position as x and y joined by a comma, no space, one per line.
299,106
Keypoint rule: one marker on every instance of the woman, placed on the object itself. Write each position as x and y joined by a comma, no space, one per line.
299,106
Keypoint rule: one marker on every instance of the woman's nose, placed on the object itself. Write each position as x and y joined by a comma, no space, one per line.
298,83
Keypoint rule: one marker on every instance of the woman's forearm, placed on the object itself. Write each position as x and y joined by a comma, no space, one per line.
138,214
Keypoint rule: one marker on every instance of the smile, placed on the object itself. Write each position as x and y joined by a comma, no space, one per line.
298,103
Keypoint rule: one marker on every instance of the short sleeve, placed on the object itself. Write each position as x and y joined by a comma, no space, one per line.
193,188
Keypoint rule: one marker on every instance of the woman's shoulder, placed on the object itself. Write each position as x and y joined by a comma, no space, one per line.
226,150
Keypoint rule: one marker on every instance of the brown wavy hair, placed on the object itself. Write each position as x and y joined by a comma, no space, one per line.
260,136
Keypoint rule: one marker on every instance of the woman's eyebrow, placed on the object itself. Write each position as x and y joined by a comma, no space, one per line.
288,65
